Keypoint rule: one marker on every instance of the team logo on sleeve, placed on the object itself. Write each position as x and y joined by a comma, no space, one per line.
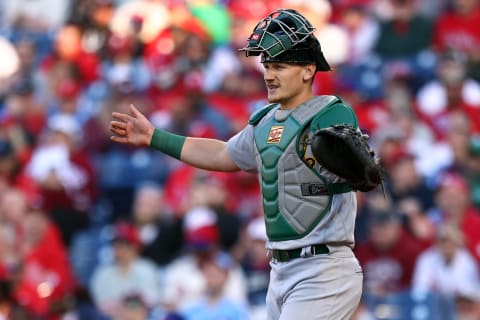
275,134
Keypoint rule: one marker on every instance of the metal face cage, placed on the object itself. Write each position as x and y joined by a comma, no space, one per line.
280,31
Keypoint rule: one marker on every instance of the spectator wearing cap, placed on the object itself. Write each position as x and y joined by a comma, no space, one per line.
184,281
388,255
447,268
215,304
64,175
127,274
453,204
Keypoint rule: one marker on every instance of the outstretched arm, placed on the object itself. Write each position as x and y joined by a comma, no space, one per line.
203,153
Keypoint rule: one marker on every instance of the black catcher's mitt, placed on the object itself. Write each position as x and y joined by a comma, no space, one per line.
345,151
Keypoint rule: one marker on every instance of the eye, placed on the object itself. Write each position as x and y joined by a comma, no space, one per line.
276,66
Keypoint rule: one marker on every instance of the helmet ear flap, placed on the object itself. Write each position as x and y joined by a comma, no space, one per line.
321,62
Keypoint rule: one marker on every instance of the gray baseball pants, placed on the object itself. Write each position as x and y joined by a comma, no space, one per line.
322,287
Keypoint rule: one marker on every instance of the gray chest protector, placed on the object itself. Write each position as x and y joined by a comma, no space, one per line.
295,195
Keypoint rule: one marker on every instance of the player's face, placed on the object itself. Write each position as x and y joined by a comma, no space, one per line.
285,83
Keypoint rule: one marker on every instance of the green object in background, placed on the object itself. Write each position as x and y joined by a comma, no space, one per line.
474,145
216,20
474,177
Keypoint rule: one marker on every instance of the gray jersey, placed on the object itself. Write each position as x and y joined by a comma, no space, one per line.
336,227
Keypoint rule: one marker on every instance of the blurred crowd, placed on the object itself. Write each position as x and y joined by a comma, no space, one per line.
90,229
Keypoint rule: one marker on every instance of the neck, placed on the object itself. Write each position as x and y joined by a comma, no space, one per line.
124,266
214,296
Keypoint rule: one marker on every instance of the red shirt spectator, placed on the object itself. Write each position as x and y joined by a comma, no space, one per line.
64,175
68,50
388,256
453,201
470,227
459,29
63,172
45,275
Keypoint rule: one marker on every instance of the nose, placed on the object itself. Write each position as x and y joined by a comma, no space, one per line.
268,74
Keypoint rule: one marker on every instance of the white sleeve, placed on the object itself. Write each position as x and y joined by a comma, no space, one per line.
100,292
422,275
147,281
241,148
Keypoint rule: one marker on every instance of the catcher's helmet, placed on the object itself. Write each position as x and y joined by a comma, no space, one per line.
286,36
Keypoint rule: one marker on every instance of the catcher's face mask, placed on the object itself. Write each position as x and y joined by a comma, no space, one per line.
286,36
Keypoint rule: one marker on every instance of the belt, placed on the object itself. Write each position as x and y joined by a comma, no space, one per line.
310,251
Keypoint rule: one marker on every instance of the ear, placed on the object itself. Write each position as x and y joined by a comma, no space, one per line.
309,72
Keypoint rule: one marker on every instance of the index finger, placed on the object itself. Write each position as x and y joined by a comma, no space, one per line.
122,116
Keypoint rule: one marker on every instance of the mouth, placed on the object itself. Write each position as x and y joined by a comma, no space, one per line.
272,87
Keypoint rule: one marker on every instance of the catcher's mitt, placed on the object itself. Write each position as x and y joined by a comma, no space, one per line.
345,151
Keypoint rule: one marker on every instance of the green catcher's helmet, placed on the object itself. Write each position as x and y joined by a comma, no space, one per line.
286,36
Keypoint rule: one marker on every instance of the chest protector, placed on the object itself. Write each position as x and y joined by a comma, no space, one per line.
295,194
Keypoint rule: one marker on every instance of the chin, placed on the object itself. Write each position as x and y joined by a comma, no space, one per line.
274,99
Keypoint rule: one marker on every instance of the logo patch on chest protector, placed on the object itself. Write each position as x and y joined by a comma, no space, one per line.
275,134
310,162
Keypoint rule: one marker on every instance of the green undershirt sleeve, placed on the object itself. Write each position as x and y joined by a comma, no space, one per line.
168,143
337,113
